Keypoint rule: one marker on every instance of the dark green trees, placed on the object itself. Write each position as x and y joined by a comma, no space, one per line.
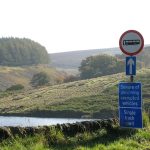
17,52
100,65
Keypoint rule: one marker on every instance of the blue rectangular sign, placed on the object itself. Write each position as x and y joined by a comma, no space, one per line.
130,95
131,117
131,65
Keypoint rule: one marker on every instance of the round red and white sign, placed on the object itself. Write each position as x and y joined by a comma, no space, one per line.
131,42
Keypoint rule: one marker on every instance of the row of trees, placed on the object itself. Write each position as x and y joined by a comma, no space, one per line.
17,52
100,65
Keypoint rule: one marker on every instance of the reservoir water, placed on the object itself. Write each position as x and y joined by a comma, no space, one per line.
34,122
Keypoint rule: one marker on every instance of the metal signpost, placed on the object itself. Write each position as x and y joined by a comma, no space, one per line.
130,93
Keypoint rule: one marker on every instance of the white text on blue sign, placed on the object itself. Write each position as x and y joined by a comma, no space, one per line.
130,95
131,117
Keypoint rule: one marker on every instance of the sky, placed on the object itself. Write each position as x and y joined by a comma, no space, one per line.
67,25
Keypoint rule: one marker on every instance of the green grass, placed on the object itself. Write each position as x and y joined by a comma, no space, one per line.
119,139
98,95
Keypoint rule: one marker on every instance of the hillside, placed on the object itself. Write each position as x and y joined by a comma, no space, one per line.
72,60
96,98
143,57
22,75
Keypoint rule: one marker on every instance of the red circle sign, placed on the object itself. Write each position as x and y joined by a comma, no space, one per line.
131,42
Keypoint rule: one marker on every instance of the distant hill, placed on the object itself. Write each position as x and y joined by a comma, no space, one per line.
143,57
21,51
72,60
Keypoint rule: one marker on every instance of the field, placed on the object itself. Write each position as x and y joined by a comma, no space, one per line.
93,98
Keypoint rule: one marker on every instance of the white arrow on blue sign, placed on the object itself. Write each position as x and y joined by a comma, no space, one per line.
131,65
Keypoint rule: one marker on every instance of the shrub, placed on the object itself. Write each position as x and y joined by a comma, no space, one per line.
146,120
71,78
39,79
15,87
55,136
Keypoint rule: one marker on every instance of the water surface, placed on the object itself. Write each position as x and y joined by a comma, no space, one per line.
34,122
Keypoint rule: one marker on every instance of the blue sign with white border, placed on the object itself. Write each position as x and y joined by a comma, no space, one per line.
130,105
131,117
131,65
130,94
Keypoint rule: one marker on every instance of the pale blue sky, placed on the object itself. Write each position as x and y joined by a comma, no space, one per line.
66,25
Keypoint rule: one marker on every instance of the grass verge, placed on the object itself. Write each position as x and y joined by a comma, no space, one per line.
102,139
